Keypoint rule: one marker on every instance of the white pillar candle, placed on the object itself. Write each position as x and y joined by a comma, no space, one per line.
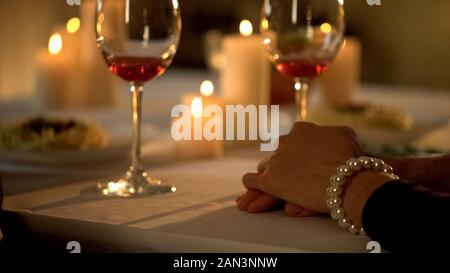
341,82
245,78
199,147
66,77
54,73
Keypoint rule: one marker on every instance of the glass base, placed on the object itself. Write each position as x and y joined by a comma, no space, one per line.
134,184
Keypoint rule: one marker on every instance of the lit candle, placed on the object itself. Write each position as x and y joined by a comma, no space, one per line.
71,35
54,77
198,146
341,82
206,94
75,76
245,78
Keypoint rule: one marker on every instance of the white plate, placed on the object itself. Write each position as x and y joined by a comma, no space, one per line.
118,128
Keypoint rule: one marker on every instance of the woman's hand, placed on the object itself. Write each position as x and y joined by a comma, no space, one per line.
299,170
255,201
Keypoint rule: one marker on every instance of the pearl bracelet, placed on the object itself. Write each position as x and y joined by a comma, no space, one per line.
335,190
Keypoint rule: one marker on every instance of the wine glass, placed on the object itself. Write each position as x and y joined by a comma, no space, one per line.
138,40
302,37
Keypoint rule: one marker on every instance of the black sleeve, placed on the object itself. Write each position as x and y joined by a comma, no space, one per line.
404,217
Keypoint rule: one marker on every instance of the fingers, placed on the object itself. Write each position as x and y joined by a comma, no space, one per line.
248,198
297,211
263,203
250,181
255,201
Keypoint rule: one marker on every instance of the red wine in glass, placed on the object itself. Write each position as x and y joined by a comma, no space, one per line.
302,68
138,40
137,69
302,38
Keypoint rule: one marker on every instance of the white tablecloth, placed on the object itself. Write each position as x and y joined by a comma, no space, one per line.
203,207
201,215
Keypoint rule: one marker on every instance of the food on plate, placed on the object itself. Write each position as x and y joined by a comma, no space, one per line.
43,134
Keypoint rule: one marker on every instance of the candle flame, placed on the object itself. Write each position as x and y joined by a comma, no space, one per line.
246,28
55,44
73,25
197,107
100,21
207,88
98,27
326,28
265,24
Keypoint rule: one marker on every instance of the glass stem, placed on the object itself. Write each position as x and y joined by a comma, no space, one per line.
301,96
136,91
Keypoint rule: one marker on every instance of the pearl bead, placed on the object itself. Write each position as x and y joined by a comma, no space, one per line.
388,169
337,214
348,172
353,229
334,203
377,164
344,222
334,191
366,162
354,164
344,170
362,232
337,180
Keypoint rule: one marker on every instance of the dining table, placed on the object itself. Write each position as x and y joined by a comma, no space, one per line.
60,199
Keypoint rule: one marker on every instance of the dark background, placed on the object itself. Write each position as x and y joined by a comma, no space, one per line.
405,42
